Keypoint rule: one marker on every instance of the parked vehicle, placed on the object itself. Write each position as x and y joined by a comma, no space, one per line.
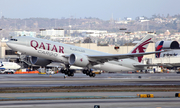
7,71
49,71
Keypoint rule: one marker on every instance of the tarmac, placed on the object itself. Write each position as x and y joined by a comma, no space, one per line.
90,103
89,99
80,95
105,79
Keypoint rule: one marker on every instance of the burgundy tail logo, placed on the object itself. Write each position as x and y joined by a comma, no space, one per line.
141,49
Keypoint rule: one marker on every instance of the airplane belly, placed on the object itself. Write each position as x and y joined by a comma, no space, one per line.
113,67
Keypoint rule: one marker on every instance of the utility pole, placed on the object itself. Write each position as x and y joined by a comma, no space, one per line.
127,35
127,39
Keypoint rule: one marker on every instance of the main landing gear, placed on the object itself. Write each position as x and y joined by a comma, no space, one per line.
67,71
89,72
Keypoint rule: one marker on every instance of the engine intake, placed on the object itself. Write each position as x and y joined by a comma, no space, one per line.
39,61
78,60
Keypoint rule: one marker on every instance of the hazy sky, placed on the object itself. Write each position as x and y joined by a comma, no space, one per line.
102,9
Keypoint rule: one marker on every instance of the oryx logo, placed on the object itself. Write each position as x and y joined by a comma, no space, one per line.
141,48
81,59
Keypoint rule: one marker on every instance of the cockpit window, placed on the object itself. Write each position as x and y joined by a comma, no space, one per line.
13,39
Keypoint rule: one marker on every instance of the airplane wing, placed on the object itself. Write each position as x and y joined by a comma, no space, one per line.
104,58
147,65
107,57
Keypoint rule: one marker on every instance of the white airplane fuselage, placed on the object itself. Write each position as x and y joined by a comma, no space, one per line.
56,51
10,65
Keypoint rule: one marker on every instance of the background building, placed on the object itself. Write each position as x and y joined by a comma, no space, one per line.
22,33
53,33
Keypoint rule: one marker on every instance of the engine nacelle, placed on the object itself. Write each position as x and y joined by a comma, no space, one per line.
169,44
78,60
39,61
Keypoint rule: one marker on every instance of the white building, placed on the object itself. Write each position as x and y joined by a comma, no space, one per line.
22,33
93,33
53,33
129,19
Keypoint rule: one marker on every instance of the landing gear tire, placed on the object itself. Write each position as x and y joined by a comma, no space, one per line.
70,73
66,72
87,73
63,71
92,74
84,71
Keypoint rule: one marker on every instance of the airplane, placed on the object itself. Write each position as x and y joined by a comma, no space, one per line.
171,51
43,52
9,67
171,47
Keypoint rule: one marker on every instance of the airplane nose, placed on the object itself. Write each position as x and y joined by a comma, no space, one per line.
9,44
19,67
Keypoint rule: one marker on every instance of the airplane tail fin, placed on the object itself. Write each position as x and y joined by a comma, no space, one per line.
159,48
141,47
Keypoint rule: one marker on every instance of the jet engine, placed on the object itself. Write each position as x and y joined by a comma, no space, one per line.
169,44
39,61
78,60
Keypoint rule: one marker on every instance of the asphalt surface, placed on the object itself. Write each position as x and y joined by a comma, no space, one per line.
89,103
105,79
116,99
80,95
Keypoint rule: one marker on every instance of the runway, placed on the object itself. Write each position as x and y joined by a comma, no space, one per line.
89,103
35,80
81,95
67,98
